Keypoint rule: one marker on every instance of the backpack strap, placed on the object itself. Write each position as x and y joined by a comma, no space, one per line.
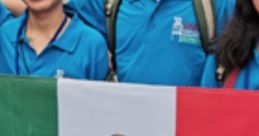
205,14
232,78
111,10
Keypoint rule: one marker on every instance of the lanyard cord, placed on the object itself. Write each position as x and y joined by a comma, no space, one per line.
56,35
233,76
59,30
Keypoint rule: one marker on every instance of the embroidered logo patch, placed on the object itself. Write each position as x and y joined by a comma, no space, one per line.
185,33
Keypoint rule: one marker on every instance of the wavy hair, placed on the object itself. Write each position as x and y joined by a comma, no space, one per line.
237,42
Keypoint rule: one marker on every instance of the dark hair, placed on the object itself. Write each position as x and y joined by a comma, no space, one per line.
237,42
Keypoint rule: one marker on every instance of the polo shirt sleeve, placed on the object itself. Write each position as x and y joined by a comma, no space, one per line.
3,63
223,12
209,75
4,13
91,12
1,53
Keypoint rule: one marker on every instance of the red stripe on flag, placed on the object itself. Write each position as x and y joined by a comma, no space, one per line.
213,112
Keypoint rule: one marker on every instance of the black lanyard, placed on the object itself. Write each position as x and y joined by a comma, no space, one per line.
19,43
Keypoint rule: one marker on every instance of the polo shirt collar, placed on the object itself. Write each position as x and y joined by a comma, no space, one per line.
68,41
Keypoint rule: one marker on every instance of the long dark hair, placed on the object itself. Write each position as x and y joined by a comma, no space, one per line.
237,42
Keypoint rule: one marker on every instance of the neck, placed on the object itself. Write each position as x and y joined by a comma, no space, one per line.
41,27
45,22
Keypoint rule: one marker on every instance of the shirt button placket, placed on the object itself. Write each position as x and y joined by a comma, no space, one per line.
153,22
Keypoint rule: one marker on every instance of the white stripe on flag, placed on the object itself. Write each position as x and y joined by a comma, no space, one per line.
103,109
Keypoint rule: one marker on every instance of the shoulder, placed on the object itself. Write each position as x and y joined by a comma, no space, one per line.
224,5
88,35
9,29
90,11
223,12
91,42
12,24
87,5
81,27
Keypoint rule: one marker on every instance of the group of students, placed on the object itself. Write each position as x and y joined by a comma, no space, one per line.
157,42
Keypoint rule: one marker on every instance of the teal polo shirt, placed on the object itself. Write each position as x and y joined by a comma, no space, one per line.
247,79
158,41
80,52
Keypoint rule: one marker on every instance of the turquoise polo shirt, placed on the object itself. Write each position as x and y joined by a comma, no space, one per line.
4,13
80,52
158,41
247,79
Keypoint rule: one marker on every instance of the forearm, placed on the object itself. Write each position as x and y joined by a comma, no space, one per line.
15,6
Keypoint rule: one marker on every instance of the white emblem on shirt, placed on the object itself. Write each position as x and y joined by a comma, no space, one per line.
60,73
177,26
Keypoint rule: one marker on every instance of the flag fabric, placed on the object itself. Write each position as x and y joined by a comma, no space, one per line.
65,107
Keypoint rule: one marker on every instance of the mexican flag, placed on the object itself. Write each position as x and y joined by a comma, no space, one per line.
65,107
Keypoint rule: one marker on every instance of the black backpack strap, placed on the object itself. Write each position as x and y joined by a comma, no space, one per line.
111,10
205,14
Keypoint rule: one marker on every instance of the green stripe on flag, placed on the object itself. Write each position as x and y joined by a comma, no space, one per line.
28,107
